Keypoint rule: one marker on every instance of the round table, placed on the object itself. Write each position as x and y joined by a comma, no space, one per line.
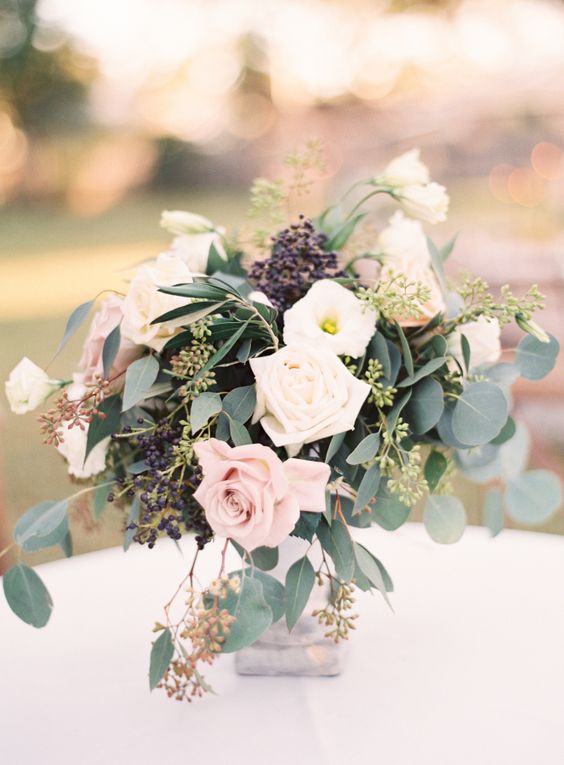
469,668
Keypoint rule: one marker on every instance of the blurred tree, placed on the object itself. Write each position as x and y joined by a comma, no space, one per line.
43,80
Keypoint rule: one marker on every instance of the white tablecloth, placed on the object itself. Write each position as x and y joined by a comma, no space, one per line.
470,669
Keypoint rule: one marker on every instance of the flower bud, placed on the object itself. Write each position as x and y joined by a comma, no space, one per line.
532,328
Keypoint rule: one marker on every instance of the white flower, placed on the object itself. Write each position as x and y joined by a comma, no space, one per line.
405,170
28,386
483,336
428,203
404,241
305,393
180,222
144,303
73,449
330,314
194,249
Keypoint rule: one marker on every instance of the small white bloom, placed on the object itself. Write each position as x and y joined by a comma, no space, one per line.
304,393
194,249
404,240
144,303
332,315
428,203
180,222
483,336
405,170
73,449
28,386
256,296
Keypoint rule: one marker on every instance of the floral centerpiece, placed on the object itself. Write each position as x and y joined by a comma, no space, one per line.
310,377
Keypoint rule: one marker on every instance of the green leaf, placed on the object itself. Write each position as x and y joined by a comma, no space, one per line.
110,350
370,568
240,403
426,405
197,290
479,414
340,238
388,511
244,351
27,596
215,261
397,409
239,433
447,249
139,377
466,351
253,615
299,584
99,500
444,428
76,318
306,526
44,525
424,371
378,349
437,263
533,497
133,517
493,511
162,652
366,450
434,469
334,445
336,540
506,433
66,545
367,489
192,311
272,590
266,558
444,518
535,359
406,351
223,351
205,406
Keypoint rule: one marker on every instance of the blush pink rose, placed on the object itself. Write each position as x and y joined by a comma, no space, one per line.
251,496
105,320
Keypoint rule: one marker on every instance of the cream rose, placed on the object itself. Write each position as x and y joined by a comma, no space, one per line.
28,386
144,303
104,322
428,203
403,240
332,315
251,496
305,393
405,170
483,337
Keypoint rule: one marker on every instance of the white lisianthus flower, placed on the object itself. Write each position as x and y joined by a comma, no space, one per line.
332,315
179,222
428,203
73,444
405,170
304,393
483,336
144,303
28,386
404,240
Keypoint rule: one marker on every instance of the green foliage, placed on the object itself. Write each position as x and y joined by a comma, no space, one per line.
389,511
162,652
367,489
44,525
240,403
336,541
265,558
204,407
479,414
444,518
101,428
253,615
493,511
306,526
299,584
393,296
139,378
479,302
272,590
533,497
110,350
366,450
535,359
425,407
371,569
75,320
435,468
427,369
27,596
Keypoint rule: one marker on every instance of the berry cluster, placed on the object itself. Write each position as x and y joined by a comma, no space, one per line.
297,261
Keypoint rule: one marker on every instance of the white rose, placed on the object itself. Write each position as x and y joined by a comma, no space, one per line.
73,449
332,315
404,240
483,336
28,386
144,303
305,393
180,222
428,203
256,296
405,170
194,249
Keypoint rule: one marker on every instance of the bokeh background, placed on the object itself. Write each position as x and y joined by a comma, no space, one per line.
111,110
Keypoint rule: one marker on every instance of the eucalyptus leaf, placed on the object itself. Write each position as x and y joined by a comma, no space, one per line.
334,445
444,518
426,405
42,526
378,349
389,511
370,569
367,489
76,318
139,378
340,238
239,433
306,525
240,403
99,428
366,450
66,545
253,615
336,540
493,511
479,413
445,431
162,652
223,351
132,520
533,497
435,466
397,409
437,263
110,350
27,596
427,369
406,351
535,359
299,584
272,590
204,407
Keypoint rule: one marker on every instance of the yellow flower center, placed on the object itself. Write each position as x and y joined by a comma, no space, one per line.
329,326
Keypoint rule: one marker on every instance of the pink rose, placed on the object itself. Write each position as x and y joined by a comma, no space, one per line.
254,498
105,320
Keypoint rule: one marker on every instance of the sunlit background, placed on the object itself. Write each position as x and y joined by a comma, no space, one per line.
112,110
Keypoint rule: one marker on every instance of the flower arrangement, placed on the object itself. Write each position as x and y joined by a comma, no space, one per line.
309,378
